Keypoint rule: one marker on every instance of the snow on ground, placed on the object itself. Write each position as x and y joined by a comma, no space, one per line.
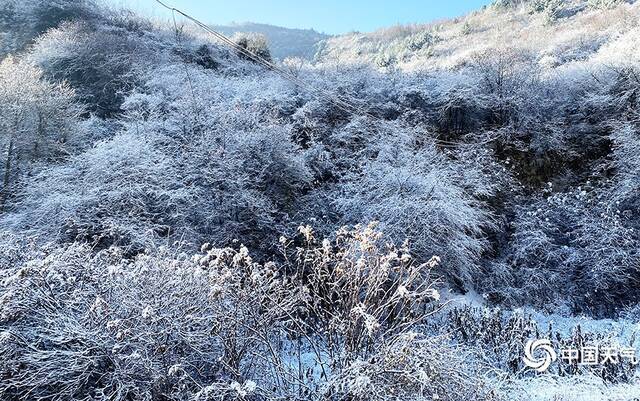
551,387
574,388
625,330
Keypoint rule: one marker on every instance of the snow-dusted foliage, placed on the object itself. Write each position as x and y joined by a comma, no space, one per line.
576,247
37,120
107,327
23,21
116,192
501,149
220,326
417,196
103,63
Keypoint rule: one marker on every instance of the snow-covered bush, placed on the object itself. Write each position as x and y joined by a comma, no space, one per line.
336,319
574,248
351,308
175,171
535,265
504,76
255,44
247,181
549,8
75,325
240,163
408,369
420,41
415,194
123,191
459,108
37,119
102,61
604,4
500,335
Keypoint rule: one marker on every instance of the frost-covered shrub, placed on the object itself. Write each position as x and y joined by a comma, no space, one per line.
467,28
504,77
385,60
535,265
631,312
253,43
37,119
420,41
495,331
175,171
459,109
407,370
248,183
107,58
240,164
604,4
573,248
549,8
75,326
352,313
336,319
415,195
102,61
14,251
123,191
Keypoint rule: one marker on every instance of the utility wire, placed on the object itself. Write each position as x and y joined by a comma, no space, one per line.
330,96
342,104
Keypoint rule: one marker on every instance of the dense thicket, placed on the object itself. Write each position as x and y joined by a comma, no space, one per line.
512,170
515,173
219,326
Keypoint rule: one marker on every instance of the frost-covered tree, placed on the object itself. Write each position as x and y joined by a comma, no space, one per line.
503,75
37,118
24,21
252,44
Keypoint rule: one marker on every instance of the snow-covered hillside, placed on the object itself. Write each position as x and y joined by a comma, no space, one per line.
435,212
554,32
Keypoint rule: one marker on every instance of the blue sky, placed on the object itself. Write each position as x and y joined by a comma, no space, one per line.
330,16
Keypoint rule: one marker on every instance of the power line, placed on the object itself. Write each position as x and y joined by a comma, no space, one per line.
331,97
350,108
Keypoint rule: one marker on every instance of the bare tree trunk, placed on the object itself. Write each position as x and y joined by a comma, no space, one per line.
39,137
7,175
